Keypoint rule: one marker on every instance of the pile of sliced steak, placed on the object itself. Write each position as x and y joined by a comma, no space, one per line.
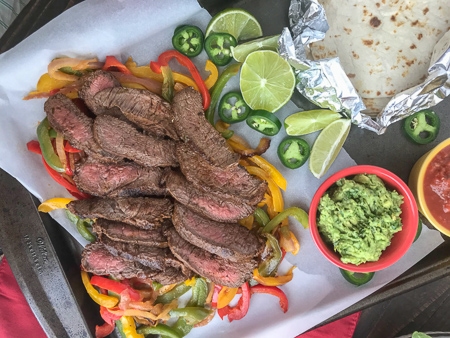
167,191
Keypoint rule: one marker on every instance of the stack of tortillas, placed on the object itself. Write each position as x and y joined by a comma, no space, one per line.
384,46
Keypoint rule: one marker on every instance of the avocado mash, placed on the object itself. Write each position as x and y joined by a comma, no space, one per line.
359,216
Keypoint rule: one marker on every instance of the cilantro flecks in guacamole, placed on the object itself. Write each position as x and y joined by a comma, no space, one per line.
358,217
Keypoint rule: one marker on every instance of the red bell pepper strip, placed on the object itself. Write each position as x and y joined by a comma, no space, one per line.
112,64
274,291
241,309
34,147
163,60
69,149
115,286
104,330
107,316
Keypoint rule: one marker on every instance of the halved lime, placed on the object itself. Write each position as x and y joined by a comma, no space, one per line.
309,121
267,80
237,22
241,51
327,146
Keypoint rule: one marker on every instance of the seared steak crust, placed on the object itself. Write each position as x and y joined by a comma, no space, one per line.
122,139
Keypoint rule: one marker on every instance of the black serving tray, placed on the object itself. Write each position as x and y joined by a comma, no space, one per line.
45,259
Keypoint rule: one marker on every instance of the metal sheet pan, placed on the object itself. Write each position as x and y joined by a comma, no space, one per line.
45,259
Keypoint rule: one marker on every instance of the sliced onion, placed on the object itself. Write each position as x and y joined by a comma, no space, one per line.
74,63
150,84
59,145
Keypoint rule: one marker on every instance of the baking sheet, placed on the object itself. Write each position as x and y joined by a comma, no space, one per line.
143,29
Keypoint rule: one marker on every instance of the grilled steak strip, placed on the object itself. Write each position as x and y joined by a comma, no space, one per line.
122,139
233,179
206,264
228,240
66,118
218,207
191,125
144,108
142,212
123,232
118,180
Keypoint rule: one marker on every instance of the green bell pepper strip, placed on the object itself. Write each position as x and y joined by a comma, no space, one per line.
261,217
218,47
265,122
357,278
175,293
82,226
48,152
167,90
293,152
192,315
232,108
422,127
216,90
188,40
272,257
161,329
299,214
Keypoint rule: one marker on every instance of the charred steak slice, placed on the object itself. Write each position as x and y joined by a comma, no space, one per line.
218,207
66,118
220,271
118,180
123,232
233,179
142,212
122,139
144,108
192,126
228,240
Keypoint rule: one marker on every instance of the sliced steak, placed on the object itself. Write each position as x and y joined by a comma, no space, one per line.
218,207
122,139
228,240
118,180
66,118
233,179
142,212
192,126
94,82
144,108
220,271
123,232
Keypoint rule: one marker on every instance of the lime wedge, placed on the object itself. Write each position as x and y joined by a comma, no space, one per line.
327,146
237,22
241,51
267,80
309,121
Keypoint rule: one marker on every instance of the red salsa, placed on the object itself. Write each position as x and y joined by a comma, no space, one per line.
437,187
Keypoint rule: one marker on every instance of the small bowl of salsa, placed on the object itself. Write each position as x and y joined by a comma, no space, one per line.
429,181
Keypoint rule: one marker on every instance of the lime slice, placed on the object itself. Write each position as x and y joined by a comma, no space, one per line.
267,80
309,121
237,22
241,51
327,146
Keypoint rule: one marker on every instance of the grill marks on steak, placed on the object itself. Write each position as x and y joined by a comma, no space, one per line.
118,180
219,270
146,109
122,139
228,240
233,179
191,125
142,212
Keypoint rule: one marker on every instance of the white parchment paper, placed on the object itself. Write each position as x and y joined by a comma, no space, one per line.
143,29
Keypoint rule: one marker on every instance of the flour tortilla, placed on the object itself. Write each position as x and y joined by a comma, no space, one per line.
384,46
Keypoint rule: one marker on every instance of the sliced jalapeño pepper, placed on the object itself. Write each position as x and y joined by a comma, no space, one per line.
265,122
422,127
217,46
357,278
188,40
293,152
232,108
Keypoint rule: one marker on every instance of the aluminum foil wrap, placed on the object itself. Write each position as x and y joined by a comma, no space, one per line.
325,83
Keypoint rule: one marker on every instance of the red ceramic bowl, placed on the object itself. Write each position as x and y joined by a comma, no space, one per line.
401,241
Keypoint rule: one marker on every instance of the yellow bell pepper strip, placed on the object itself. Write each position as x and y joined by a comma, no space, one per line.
103,300
128,327
54,203
272,257
298,213
226,295
273,281
288,241
213,74
271,170
274,291
160,329
247,222
277,198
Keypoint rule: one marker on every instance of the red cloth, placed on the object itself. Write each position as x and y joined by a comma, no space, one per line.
17,319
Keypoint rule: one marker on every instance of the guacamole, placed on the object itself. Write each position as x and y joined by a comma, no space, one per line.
358,217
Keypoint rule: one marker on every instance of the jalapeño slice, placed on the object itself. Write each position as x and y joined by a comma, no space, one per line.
232,108
422,127
188,40
293,152
265,122
357,278
218,47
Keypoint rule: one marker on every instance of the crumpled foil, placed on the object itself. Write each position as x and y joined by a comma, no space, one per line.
325,83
